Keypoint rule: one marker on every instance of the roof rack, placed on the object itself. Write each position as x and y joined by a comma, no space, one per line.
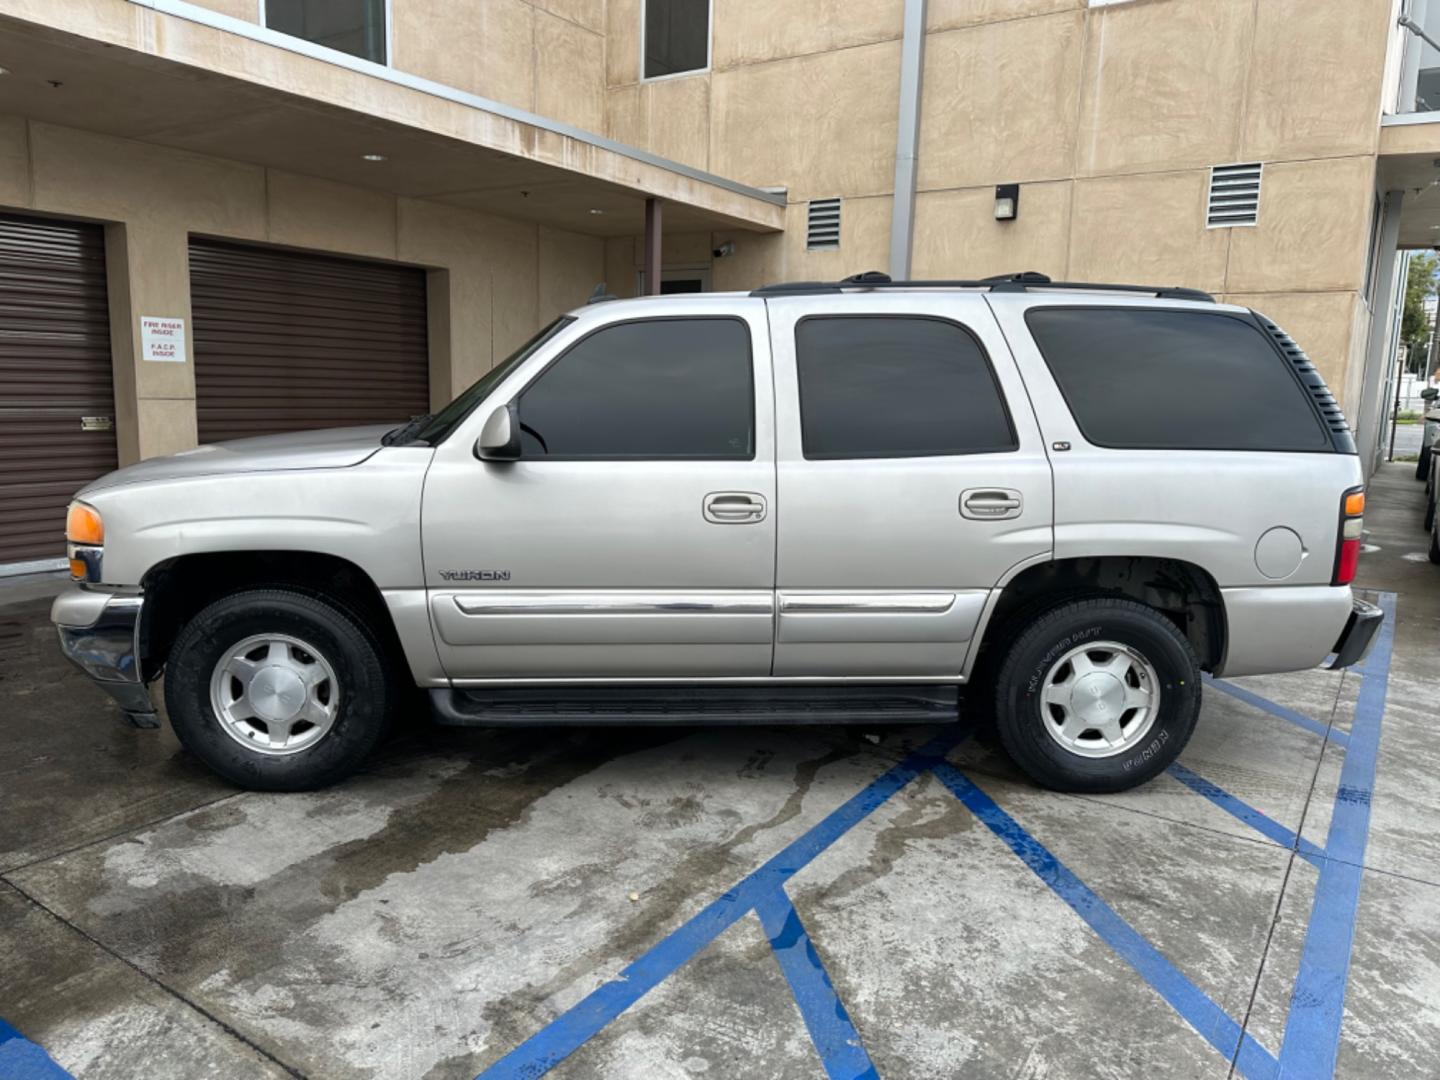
1022,282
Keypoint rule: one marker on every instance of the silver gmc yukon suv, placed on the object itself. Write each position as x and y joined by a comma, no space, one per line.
815,503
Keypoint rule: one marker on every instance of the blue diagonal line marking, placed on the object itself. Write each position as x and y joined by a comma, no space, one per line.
1315,727
21,1059
1243,811
1317,1004
560,1038
831,1030
1187,999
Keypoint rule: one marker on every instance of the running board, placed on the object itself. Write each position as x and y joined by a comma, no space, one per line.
637,705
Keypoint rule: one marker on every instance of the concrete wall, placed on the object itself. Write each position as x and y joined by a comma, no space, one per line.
1110,119
493,280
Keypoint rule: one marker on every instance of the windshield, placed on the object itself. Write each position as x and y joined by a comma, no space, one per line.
439,426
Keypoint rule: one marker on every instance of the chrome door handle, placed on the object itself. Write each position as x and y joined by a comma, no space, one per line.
734,507
990,504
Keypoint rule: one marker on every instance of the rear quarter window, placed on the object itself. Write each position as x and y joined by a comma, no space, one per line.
1175,380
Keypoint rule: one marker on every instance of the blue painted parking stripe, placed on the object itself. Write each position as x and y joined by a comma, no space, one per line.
1243,811
1315,727
560,1038
1193,1004
1317,1005
21,1059
831,1030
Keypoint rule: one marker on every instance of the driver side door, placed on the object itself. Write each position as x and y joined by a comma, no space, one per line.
635,536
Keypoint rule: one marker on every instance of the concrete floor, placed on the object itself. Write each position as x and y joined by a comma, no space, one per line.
473,893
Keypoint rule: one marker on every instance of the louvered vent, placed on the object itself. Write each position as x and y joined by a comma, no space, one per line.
824,228
1234,195
1314,382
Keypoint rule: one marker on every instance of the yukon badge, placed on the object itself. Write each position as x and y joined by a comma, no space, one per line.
475,575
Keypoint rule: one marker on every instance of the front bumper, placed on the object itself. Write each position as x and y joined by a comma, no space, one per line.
1358,635
99,633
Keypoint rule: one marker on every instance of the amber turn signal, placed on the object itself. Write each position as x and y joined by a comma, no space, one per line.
83,525
78,569
1355,504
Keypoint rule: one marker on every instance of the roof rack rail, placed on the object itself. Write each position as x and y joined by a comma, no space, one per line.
1021,282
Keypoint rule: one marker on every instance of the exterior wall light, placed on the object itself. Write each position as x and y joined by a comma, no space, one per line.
1007,202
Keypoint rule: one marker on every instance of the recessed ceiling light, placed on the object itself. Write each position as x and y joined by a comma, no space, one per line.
594,210
4,71
374,157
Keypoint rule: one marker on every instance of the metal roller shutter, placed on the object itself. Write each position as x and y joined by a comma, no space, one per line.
287,341
57,400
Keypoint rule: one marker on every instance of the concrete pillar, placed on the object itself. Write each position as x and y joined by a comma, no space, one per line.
1379,351
654,233
148,274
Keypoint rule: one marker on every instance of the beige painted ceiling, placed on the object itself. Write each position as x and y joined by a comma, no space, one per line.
70,80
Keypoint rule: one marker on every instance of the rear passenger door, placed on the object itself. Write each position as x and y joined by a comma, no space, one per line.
910,479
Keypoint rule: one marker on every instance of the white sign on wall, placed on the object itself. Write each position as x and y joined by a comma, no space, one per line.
162,339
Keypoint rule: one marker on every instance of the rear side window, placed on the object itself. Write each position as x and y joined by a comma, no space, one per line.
896,387
655,389
1174,380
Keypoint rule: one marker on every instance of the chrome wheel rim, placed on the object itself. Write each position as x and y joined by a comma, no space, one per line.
274,694
1100,699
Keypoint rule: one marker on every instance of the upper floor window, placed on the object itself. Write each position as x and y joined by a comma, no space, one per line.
676,37
356,27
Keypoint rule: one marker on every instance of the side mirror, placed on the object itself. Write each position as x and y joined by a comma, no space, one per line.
500,437
1430,393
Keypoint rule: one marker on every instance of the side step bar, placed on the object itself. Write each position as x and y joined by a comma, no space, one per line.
635,705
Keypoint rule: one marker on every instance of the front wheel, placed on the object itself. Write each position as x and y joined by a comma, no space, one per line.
278,690
1097,696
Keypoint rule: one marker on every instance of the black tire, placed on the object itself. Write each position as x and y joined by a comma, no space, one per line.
367,692
1429,514
1422,464
1434,551
1041,647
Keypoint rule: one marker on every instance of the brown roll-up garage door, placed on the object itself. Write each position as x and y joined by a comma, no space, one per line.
286,341
57,400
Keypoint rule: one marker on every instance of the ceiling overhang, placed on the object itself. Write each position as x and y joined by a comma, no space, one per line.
174,74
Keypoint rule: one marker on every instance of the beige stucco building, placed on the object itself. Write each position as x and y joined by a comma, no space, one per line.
502,153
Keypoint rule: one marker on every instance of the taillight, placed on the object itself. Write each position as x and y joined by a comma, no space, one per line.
1352,530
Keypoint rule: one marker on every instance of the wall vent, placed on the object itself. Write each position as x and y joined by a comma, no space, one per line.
824,228
1234,195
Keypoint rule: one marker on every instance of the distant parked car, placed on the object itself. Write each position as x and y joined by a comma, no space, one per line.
1431,432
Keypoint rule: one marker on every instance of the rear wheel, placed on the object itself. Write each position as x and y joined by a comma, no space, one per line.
278,690
1434,540
1097,695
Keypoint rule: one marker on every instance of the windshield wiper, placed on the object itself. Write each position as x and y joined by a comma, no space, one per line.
406,431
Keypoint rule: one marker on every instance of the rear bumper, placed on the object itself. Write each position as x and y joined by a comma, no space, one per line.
1358,635
99,633
1279,628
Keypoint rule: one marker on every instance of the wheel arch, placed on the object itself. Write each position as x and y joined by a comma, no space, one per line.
1184,592
177,589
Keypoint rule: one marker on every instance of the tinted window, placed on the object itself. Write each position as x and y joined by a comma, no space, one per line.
1175,380
896,387
677,36
663,388
356,27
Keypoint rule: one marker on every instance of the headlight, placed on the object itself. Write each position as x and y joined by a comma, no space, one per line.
86,534
83,525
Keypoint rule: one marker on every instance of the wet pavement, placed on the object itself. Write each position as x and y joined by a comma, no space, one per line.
731,903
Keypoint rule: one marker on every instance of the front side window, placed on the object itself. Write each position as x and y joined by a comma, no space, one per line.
677,37
651,389
1175,380
877,386
356,27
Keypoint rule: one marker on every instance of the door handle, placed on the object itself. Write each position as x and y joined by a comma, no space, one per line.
734,507
990,504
